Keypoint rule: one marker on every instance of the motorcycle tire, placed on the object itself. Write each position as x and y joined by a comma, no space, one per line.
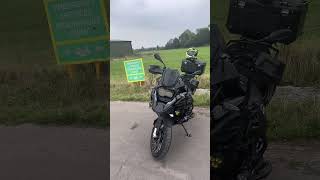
160,145
268,94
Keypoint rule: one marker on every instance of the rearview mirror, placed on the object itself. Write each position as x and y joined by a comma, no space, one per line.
158,57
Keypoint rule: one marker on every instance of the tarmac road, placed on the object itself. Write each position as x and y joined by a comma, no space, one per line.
131,125
188,158
29,152
297,160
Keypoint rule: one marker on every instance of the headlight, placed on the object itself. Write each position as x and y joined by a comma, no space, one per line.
165,93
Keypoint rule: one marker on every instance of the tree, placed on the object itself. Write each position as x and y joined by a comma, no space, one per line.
169,44
186,37
176,43
173,43
189,39
202,37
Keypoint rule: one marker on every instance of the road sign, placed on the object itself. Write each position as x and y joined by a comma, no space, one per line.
79,30
134,70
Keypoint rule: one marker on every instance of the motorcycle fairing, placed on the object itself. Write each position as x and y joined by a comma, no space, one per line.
169,77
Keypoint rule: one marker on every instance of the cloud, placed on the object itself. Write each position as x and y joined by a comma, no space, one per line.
150,23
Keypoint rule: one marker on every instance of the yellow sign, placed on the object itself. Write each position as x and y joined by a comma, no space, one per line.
134,70
79,30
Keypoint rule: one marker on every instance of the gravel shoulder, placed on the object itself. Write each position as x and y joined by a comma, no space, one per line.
298,160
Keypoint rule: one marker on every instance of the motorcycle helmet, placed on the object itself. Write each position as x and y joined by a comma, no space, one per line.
192,53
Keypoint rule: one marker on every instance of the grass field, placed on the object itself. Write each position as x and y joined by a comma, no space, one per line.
172,59
122,90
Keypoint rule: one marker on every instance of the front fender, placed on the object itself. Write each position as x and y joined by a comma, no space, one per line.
163,120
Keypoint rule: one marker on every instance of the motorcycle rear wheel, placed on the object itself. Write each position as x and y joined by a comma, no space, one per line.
160,145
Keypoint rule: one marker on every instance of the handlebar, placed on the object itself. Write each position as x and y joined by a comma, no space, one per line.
178,97
274,37
252,42
155,69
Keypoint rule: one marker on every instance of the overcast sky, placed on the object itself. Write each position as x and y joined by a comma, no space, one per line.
149,23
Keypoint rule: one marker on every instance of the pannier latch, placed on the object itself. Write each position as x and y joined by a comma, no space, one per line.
285,12
284,3
241,4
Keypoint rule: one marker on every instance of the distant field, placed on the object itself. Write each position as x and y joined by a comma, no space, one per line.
122,90
172,59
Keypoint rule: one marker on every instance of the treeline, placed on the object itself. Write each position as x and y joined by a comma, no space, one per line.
187,39
190,39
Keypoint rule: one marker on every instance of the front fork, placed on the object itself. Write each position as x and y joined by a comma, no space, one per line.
157,125
165,122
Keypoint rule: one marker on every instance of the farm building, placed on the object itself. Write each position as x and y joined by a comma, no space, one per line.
120,48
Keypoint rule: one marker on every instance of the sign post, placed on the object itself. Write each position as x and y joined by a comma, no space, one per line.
134,71
79,30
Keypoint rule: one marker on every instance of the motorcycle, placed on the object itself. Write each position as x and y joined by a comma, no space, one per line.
171,100
245,77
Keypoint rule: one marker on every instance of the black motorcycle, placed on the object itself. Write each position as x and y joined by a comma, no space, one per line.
171,100
246,72
244,81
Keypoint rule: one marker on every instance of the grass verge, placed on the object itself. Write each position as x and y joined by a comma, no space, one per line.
124,92
292,120
302,63
45,95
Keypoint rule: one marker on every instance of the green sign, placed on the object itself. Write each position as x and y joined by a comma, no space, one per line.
134,70
78,30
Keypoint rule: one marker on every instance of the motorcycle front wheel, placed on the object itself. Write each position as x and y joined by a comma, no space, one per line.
160,141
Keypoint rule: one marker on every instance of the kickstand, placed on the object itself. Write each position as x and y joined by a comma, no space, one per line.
187,133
